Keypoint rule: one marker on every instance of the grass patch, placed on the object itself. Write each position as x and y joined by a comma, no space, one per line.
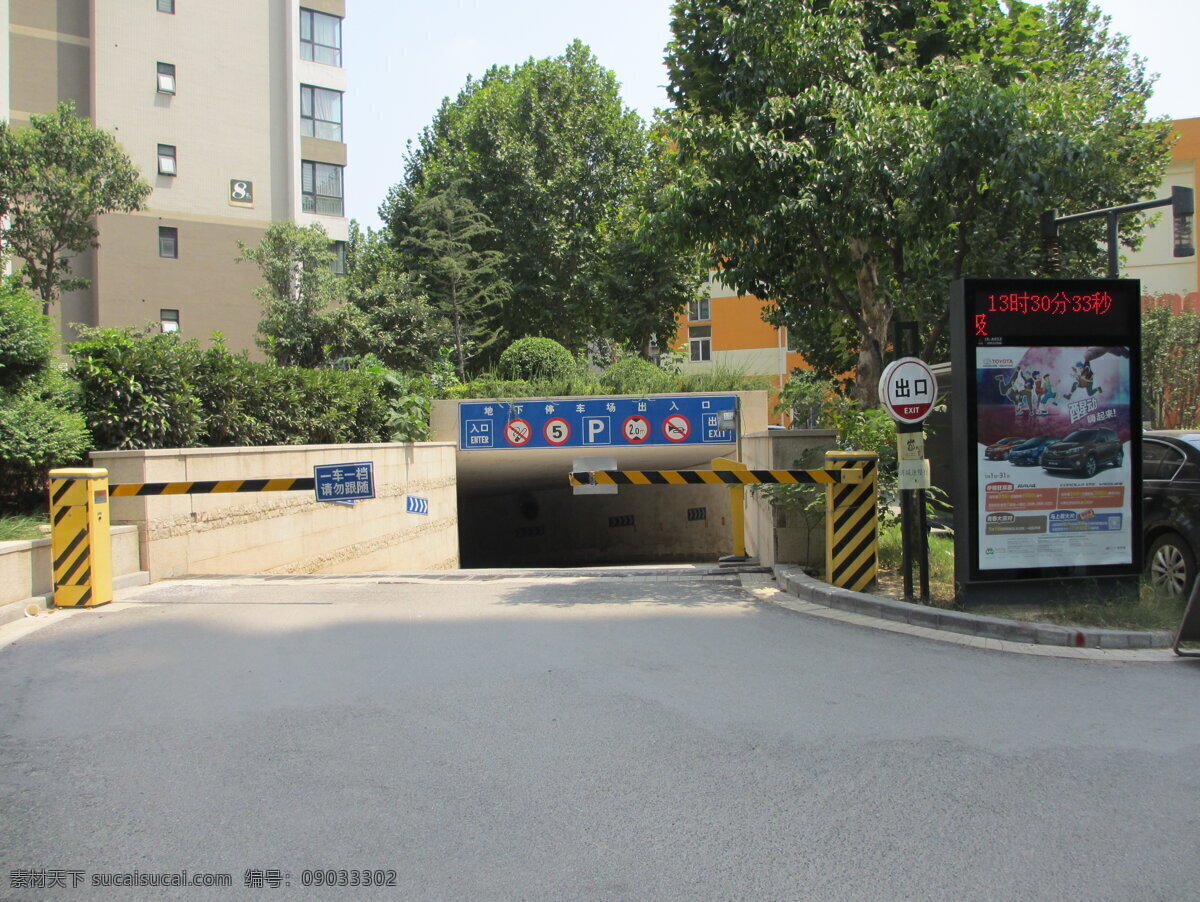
15,527
1148,609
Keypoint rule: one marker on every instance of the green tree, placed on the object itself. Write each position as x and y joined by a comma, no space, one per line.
850,158
40,425
549,153
467,285
56,177
395,321
302,324
1171,367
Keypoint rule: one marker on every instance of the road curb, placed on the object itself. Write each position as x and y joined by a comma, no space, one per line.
793,580
38,604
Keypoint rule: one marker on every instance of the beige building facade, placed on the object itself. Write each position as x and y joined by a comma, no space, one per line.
232,111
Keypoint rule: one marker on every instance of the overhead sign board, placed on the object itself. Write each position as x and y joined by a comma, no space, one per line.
908,389
597,423
345,483
1047,416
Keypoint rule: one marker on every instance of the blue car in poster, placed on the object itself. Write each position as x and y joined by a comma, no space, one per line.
1029,452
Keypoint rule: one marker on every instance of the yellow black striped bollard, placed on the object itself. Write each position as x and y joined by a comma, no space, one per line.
79,538
852,522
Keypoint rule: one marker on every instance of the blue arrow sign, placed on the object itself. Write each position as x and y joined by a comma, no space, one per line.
415,505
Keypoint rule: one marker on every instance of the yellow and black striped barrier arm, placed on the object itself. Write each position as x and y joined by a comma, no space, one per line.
851,522
715,477
79,538
212,487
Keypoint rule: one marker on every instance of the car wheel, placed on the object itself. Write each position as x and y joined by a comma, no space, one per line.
1089,466
1171,565
1119,459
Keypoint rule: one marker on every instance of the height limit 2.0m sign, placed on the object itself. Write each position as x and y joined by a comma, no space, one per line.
908,389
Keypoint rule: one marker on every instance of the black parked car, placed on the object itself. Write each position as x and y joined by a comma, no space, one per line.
1084,451
1171,507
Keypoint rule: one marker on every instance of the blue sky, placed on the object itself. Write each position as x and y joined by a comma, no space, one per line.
403,57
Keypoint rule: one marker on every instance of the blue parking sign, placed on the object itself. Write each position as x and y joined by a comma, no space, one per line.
547,423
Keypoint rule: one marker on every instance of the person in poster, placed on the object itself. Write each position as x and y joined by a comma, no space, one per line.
1074,508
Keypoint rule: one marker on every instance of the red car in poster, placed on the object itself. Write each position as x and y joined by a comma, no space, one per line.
999,450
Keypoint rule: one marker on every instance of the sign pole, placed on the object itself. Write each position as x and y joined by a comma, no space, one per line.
908,389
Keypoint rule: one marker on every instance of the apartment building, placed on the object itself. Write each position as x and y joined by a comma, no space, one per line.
232,111
1168,279
727,330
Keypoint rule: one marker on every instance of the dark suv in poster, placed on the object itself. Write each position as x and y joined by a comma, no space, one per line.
1171,508
1084,451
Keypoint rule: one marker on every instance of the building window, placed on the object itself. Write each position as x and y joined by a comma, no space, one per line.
168,241
320,113
320,37
321,188
166,78
166,159
338,263
698,311
700,342
168,320
166,6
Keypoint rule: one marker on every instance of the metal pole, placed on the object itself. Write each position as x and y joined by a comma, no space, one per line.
923,545
1114,262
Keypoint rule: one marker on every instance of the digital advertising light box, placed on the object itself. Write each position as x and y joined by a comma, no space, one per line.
1046,410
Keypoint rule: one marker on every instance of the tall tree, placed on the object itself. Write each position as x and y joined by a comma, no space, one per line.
57,176
394,318
301,324
850,158
464,283
549,153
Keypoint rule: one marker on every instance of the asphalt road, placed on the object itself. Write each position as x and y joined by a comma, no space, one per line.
594,739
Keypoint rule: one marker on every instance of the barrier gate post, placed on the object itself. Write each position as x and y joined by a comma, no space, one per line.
80,544
737,509
852,522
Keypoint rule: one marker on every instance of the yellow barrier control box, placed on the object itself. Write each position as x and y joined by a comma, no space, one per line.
80,544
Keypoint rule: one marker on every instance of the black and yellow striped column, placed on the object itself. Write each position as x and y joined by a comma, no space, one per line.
851,522
79,538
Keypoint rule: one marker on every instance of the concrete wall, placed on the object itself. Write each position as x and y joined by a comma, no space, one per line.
26,571
289,532
778,535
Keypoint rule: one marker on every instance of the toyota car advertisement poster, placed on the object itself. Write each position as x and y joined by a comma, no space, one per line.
1046,410
1054,461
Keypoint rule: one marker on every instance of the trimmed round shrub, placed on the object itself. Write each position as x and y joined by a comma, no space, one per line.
536,358
634,376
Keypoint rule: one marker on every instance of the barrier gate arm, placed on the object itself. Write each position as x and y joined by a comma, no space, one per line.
211,487
716,477
851,498
79,524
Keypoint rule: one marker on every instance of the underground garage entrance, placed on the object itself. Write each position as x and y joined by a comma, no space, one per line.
516,509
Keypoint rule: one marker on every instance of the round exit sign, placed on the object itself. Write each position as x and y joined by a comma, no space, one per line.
908,389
